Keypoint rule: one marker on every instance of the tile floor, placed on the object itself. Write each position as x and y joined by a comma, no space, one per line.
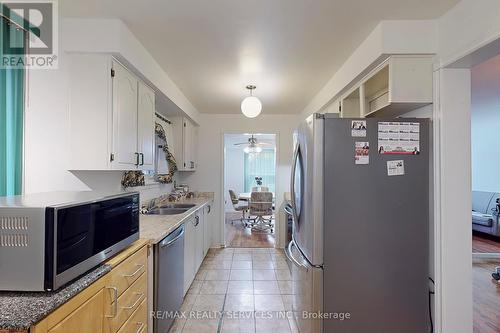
250,287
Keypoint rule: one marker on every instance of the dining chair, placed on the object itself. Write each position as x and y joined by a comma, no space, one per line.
243,207
261,206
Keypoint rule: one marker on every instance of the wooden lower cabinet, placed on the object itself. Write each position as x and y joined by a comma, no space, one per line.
117,302
87,318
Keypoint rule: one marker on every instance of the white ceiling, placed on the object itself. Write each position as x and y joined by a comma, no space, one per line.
288,48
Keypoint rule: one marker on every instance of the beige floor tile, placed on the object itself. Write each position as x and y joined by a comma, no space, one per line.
285,287
241,275
217,274
240,287
201,326
280,264
200,276
283,274
264,274
266,287
219,264
239,325
239,302
262,265
243,250
213,288
261,250
287,302
241,264
293,325
272,325
177,326
195,287
261,257
269,303
188,302
242,256
208,303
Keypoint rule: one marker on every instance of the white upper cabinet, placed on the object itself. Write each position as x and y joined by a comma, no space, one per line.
111,116
126,155
399,85
146,123
186,137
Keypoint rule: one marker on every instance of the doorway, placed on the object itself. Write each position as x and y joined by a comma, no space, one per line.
485,157
250,173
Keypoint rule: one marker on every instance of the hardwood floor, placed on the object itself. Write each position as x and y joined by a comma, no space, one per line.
239,236
486,290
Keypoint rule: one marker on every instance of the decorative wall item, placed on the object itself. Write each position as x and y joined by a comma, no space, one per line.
133,178
172,164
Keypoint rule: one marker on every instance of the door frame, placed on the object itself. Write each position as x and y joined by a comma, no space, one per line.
277,212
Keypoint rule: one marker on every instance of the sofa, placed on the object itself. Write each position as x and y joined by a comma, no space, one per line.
485,212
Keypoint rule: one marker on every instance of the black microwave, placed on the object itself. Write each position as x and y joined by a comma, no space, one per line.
49,239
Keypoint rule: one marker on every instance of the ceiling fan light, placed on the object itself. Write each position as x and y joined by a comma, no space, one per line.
251,106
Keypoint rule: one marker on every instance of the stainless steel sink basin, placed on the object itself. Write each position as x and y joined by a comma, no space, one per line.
179,205
171,209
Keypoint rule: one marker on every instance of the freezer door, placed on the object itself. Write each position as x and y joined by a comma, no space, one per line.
306,291
307,189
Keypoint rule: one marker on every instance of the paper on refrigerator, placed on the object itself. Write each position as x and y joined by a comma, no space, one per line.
362,153
398,138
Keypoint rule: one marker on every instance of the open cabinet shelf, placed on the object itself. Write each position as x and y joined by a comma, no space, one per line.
397,86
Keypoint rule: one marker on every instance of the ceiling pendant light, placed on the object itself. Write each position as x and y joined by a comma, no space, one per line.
251,105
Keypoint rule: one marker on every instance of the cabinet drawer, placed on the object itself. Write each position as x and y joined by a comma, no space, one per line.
127,272
138,322
126,304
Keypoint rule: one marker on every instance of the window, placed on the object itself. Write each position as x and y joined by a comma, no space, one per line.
262,165
11,115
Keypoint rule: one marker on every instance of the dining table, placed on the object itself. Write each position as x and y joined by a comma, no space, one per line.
245,196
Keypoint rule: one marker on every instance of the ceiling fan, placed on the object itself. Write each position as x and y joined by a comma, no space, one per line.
252,145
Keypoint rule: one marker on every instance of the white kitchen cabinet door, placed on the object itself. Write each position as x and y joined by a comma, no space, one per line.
188,142
199,250
126,156
145,123
189,252
207,232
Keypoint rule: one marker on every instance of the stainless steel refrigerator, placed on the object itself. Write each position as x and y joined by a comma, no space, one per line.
360,199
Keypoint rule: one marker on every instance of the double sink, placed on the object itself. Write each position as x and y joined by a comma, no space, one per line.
171,209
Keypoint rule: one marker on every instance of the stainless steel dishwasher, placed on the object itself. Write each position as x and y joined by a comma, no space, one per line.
168,279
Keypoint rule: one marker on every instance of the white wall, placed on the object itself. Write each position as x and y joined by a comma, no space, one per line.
485,129
208,176
235,173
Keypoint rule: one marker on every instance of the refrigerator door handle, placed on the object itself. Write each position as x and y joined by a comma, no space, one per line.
289,255
292,186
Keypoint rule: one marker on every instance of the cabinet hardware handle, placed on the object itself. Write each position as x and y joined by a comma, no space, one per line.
209,209
134,273
139,299
197,219
136,159
142,158
140,327
115,305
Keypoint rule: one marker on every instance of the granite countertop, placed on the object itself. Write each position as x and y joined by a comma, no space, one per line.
156,227
20,310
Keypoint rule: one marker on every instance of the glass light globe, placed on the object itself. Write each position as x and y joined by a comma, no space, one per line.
251,107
